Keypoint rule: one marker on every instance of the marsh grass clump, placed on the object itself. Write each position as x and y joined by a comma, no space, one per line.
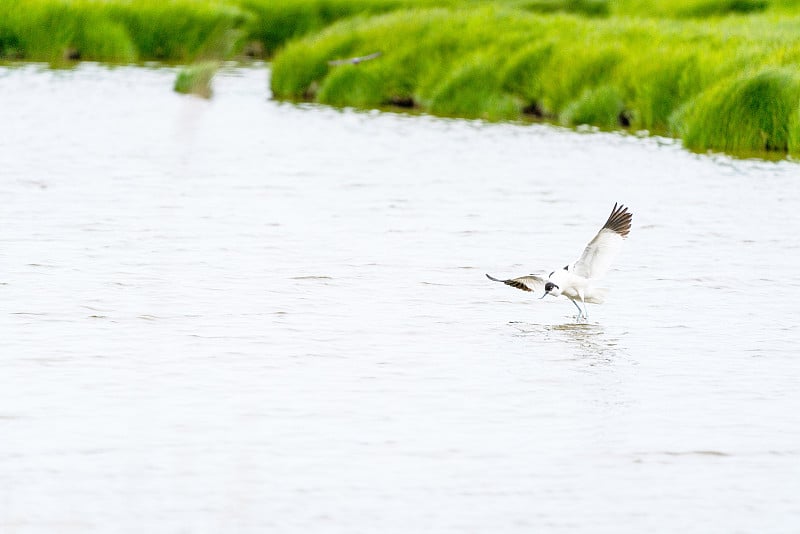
352,85
658,89
602,106
119,32
474,90
709,8
590,8
668,77
749,113
196,79
168,30
304,67
181,30
525,72
690,8
276,23
52,31
586,67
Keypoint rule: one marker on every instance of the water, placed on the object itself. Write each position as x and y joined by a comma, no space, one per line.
247,316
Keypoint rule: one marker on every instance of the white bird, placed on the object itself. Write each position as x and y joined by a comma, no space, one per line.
576,280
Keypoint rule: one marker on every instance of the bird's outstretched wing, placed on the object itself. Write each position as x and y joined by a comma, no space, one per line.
355,60
532,282
601,251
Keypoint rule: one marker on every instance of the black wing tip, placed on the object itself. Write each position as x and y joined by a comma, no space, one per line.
512,282
620,220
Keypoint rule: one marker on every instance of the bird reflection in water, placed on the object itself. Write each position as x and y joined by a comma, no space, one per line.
586,341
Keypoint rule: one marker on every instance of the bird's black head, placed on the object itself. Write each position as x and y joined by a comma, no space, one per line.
549,286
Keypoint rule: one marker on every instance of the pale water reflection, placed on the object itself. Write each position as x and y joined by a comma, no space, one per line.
244,316
587,342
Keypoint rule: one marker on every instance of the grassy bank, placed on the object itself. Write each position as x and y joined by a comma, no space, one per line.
183,30
174,30
731,85
126,31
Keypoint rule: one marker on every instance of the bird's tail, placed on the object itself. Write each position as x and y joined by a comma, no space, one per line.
596,295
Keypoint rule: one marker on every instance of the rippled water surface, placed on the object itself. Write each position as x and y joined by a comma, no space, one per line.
238,315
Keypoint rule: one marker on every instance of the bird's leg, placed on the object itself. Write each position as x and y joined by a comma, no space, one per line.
580,311
585,312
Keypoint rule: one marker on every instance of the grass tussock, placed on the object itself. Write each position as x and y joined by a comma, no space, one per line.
749,113
196,79
673,77
690,8
181,30
470,91
275,23
589,8
169,30
117,31
602,107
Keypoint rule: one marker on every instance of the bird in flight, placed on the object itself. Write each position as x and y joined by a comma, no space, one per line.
355,60
576,280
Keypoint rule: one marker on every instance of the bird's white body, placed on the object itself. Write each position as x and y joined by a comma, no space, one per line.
573,286
576,281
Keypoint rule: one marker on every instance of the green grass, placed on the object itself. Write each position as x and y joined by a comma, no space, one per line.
117,31
187,30
468,91
56,31
168,30
673,77
181,30
754,112
276,22
699,8
602,106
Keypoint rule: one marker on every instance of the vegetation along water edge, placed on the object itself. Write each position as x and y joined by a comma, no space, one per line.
719,74
732,86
